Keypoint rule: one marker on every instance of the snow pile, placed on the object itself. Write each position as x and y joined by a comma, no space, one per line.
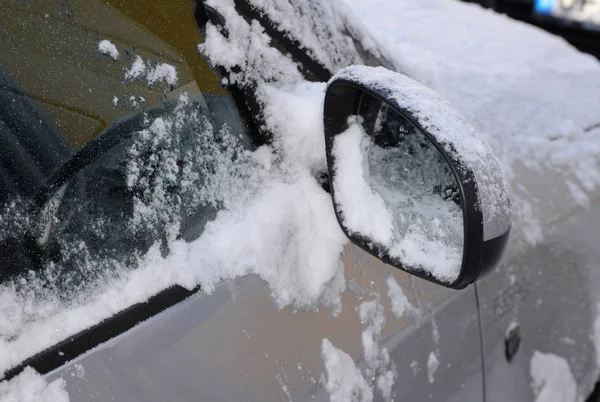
552,379
106,47
29,386
161,72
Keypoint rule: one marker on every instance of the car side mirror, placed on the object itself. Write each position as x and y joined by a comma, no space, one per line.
412,182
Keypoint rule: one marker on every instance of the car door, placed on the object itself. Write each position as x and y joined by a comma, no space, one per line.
413,340
540,308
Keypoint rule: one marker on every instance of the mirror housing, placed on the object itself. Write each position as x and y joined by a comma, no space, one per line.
484,195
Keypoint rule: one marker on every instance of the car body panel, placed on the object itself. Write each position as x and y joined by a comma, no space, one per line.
235,344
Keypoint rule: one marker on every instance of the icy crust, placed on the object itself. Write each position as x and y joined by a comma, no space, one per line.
452,131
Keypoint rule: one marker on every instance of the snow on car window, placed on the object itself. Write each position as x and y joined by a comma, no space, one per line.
403,197
270,210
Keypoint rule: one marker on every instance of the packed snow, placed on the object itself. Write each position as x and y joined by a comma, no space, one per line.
106,47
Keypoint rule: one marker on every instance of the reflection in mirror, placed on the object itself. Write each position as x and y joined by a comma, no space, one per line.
396,191
164,175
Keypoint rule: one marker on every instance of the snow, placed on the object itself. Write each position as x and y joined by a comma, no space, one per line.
106,47
552,379
345,382
138,67
432,365
388,199
377,359
164,73
399,302
363,210
451,130
320,27
29,386
161,72
276,222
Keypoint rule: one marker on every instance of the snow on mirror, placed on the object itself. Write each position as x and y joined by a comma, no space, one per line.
412,182
395,189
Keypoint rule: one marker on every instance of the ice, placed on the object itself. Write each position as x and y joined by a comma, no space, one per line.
106,47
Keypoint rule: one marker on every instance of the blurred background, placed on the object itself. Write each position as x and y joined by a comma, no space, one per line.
578,21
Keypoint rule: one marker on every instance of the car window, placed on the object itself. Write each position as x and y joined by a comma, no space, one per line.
115,134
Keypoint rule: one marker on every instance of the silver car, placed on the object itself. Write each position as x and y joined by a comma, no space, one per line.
247,200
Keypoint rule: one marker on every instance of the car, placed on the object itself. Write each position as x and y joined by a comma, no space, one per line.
148,255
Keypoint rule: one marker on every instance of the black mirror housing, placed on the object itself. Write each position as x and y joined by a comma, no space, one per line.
392,109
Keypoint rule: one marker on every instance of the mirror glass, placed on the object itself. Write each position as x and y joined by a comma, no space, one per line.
395,191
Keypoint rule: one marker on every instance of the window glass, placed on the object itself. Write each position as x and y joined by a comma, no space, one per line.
115,135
